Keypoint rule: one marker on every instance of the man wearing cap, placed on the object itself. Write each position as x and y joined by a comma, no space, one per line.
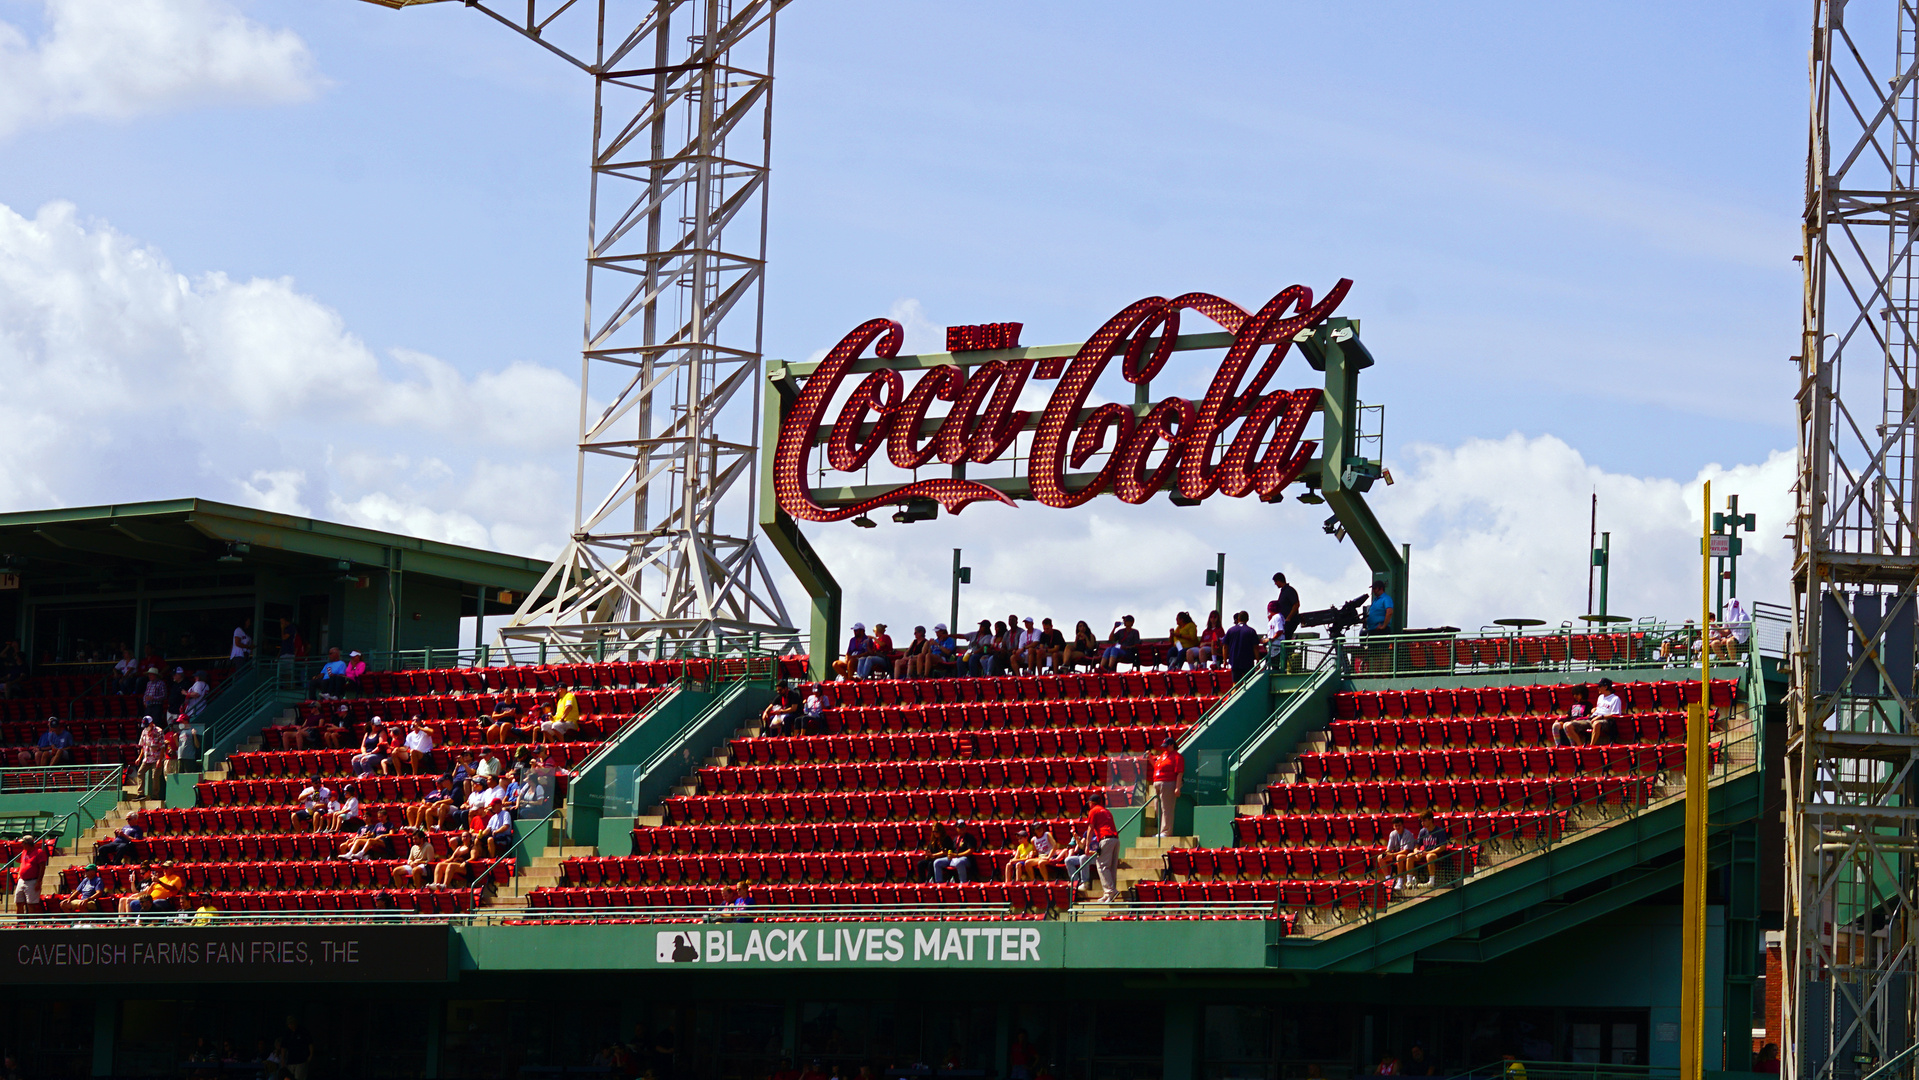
1379,613
153,699
1028,655
782,716
330,683
1169,769
196,695
943,655
55,746
87,893
186,745
879,654
32,868
152,759
856,648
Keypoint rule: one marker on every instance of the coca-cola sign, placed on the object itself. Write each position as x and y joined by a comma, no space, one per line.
1262,456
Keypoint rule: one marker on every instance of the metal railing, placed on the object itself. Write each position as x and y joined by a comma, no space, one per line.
1771,629
109,780
34,779
1496,650
717,647
477,883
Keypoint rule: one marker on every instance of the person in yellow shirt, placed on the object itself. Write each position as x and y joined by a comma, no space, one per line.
163,893
565,720
1019,865
1184,646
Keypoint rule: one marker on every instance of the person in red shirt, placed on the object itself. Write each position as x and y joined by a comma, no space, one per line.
1168,768
26,889
1102,839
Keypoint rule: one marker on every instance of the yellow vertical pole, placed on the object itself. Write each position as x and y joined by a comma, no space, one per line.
1692,988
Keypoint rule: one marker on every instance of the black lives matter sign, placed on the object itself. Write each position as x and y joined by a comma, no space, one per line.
225,954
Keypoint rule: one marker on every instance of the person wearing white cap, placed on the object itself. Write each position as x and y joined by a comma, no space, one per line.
943,656
856,649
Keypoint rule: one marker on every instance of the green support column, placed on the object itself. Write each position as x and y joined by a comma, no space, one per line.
822,591
106,1019
1335,349
1742,944
435,1034
1180,1060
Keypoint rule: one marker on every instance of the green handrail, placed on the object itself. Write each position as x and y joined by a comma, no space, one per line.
59,827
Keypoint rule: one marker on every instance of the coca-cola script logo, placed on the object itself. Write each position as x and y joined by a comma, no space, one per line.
1263,455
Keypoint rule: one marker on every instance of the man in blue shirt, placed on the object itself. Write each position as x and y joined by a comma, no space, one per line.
55,746
1379,613
330,683
944,651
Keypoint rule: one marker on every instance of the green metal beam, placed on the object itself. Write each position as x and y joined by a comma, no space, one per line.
823,592
1335,349
1633,886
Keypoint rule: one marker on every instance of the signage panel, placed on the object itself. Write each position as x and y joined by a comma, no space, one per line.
265,953
887,944
1261,455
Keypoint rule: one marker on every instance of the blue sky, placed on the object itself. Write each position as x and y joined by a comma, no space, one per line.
1570,229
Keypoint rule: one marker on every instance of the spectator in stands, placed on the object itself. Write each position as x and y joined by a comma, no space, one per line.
1416,1063
935,844
564,722
1240,645
186,746
1730,635
979,650
28,874
122,843
344,815
1169,770
958,860
1083,649
431,811
878,660
1596,727
1574,729
450,872
304,733
813,709
333,729
1182,642
355,671
163,893
497,838
1005,644
1433,844
419,859
375,750
501,724
1212,641
1052,646
1019,863
88,893
313,800
1400,843
176,693
330,683
489,764
1028,656
368,842
126,673
1286,606
1049,853
856,649
1124,647
153,697
782,716
1102,842
1681,643
1379,613
196,694
242,642
152,760
943,655
916,662
415,753
1768,1059
55,746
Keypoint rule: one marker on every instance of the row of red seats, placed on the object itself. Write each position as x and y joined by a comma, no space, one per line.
815,869
1535,651
424,901
1031,896
102,753
234,847
1010,688
610,704
1318,894
1047,742
916,775
1258,862
83,731
1399,796
1501,731
862,836
380,789
1543,700
1001,715
604,675
282,876
1534,761
879,806
1321,830
212,821
273,765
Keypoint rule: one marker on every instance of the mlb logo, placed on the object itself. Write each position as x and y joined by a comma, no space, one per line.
676,946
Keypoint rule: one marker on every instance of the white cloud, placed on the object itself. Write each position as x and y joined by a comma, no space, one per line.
129,380
116,59
1497,527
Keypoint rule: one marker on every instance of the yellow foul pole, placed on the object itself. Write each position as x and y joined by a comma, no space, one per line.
1692,988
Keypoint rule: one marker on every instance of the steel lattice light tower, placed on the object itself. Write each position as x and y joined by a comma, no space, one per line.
1853,822
669,388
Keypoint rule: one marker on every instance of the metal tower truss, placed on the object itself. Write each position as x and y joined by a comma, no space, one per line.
663,546
1853,820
